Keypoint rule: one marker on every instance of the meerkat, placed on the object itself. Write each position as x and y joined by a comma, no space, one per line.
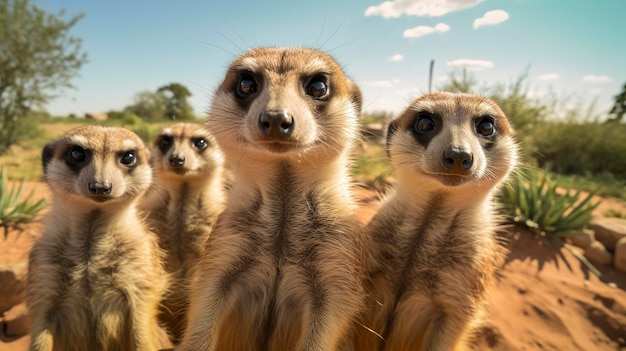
95,276
433,248
187,196
282,269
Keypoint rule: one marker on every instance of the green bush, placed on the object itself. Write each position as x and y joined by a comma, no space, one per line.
589,148
14,210
130,119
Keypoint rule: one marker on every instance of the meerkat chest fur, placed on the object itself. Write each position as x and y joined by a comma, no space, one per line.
103,246
282,268
433,244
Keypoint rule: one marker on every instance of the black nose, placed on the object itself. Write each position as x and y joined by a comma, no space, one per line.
177,160
457,159
100,188
276,124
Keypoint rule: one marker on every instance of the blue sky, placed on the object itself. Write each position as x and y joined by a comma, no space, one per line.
572,48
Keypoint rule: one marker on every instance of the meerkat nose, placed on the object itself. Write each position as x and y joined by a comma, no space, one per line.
457,159
177,160
100,188
276,124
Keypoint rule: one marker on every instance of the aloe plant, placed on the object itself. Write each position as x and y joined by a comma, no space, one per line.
531,200
13,209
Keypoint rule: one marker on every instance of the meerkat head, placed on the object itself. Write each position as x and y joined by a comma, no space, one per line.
93,164
185,150
452,140
285,102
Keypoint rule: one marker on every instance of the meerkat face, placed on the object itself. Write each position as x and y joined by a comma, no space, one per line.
185,150
285,101
454,139
97,164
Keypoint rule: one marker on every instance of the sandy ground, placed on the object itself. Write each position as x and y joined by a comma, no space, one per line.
543,300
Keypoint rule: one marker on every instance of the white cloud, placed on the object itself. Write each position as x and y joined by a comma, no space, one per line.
474,65
549,76
595,91
424,30
597,79
491,18
379,84
397,57
421,8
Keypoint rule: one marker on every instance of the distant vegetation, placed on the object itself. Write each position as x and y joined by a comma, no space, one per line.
38,59
168,102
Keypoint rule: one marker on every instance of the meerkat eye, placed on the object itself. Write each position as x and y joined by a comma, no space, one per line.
129,158
485,127
76,155
246,86
317,88
424,123
165,143
200,144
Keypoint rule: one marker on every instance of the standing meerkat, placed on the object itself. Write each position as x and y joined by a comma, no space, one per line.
281,270
95,276
433,249
183,207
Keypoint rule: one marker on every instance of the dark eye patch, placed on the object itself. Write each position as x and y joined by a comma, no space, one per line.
76,157
425,126
165,143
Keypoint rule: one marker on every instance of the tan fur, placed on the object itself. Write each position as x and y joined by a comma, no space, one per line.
188,196
95,277
282,269
433,249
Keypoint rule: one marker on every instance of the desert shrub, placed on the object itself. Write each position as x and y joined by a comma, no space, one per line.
533,201
614,214
147,131
589,148
13,209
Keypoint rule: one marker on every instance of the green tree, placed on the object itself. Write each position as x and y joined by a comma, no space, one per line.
177,106
38,58
148,105
619,108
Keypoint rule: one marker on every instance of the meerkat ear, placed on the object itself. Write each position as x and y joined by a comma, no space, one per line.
357,97
47,155
391,130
